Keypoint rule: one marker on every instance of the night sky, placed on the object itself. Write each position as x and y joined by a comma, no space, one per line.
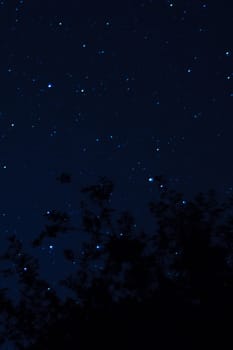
127,90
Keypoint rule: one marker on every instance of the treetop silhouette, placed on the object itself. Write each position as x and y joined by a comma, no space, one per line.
153,282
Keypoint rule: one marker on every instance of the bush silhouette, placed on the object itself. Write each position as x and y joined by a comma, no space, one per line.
140,289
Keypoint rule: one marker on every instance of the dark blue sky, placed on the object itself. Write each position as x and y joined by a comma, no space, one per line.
127,89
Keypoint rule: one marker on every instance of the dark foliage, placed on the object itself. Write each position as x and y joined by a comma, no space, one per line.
131,289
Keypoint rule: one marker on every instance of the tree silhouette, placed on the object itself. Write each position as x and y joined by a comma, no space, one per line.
137,287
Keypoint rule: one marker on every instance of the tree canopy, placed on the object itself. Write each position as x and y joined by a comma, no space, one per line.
138,289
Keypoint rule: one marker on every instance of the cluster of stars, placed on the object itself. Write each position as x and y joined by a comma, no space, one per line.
122,95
